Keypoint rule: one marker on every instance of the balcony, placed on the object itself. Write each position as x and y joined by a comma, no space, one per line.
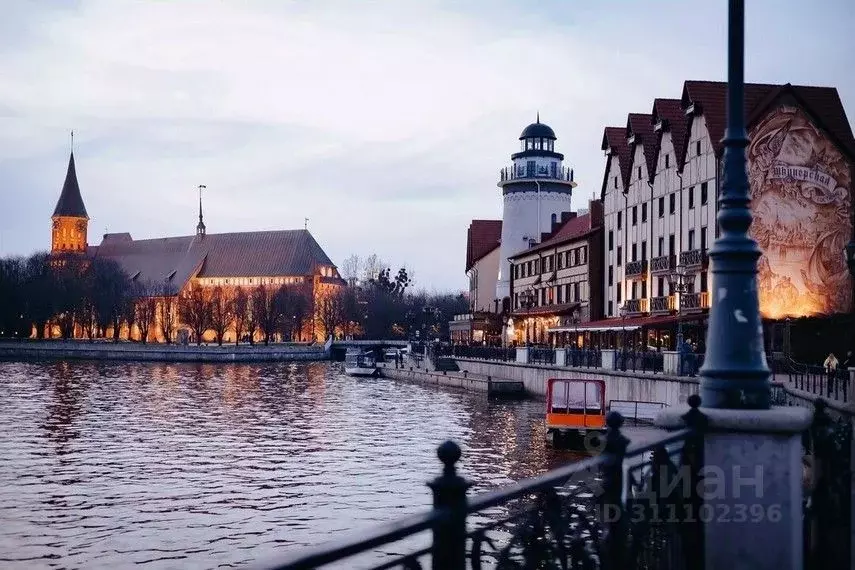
694,259
636,269
663,264
693,302
513,173
662,305
635,307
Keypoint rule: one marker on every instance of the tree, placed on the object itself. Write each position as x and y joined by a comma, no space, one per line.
222,312
351,269
194,308
330,312
145,309
107,288
251,321
265,311
167,311
240,305
13,272
351,314
69,296
40,301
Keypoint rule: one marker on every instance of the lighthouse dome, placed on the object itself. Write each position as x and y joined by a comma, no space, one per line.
538,130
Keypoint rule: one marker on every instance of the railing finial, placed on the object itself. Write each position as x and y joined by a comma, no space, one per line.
449,453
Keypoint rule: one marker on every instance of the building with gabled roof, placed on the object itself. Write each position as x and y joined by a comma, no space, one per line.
168,267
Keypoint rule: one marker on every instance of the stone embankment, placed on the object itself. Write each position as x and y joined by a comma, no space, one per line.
100,350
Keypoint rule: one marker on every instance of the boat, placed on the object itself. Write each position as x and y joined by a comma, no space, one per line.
575,413
359,363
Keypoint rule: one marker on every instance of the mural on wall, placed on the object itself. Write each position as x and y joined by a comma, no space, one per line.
800,198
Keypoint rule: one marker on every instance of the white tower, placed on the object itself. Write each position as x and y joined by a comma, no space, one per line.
537,189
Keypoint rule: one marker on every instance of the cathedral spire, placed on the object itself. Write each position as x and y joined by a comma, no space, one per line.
70,201
200,227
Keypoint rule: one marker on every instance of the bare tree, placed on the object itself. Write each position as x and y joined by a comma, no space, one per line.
251,320
265,311
351,269
330,312
222,312
240,304
194,309
145,309
167,311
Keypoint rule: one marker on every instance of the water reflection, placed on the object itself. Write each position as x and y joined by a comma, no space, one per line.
200,465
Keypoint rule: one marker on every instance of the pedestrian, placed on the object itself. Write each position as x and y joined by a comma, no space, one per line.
830,366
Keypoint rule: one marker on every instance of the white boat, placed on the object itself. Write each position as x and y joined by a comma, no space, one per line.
358,363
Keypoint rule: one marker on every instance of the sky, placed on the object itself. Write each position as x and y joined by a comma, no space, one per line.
383,123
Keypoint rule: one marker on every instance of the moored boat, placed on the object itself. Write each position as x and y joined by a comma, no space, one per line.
359,363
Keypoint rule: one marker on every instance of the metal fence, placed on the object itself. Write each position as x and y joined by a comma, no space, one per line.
638,361
600,513
818,380
541,355
587,357
486,353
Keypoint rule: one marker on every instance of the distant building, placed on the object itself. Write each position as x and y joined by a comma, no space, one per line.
169,267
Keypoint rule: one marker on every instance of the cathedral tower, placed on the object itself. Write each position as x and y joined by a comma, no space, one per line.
70,220
536,191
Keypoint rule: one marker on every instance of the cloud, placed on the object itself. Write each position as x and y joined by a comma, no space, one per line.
385,123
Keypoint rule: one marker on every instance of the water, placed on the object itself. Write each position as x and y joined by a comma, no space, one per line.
201,466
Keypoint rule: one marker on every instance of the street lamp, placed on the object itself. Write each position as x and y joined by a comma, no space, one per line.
735,374
678,281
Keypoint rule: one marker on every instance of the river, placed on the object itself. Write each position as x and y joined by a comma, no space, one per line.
108,465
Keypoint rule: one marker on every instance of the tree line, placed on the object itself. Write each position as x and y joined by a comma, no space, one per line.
97,298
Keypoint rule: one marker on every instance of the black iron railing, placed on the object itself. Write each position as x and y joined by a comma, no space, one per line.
605,512
694,258
638,361
663,263
587,357
820,381
828,493
541,355
486,353
636,268
664,304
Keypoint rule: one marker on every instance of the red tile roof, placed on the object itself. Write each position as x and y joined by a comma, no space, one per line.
482,237
615,138
641,126
172,261
670,111
572,229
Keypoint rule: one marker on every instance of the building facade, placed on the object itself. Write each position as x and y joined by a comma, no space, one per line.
660,187
555,284
168,268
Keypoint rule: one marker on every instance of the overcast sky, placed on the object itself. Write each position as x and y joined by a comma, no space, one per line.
384,123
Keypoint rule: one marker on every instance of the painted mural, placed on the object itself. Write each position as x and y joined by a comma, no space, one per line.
800,197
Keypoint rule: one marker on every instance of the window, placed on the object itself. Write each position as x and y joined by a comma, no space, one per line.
615,181
576,296
516,300
703,239
661,246
661,286
584,254
634,290
671,244
611,308
644,212
529,168
691,240
611,240
661,206
643,250
560,296
666,161
691,197
634,215
704,281
672,203
619,219
634,252
619,256
619,292
639,173
537,144
644,289
698,148
611,274
703,193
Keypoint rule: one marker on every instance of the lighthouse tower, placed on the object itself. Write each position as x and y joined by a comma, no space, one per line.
536,189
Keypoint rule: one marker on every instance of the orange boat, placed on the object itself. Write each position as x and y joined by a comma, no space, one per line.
575,409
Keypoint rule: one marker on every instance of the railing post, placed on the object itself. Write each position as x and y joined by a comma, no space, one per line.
611,502
449,496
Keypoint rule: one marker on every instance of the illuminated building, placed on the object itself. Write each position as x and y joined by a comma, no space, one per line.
167,267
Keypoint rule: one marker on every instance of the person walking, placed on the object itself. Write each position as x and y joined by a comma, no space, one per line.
830,366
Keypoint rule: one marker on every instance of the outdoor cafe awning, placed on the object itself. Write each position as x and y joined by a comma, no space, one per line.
618,324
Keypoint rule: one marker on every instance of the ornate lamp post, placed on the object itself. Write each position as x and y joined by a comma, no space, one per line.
735,374
677,280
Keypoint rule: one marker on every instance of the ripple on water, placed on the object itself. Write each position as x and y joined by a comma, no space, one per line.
167,465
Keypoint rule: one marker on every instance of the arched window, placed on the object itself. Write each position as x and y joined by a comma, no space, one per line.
554,219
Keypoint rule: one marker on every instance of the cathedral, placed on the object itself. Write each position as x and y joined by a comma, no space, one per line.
169,267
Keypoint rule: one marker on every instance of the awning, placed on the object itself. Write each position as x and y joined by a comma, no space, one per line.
546,310
574,328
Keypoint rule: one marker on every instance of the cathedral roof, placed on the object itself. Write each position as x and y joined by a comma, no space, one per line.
168,263
70,201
